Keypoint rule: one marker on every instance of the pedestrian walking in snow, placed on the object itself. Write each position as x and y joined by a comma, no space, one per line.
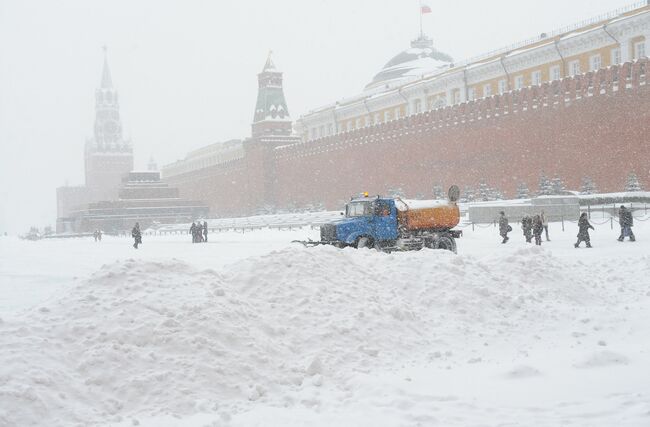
527,227
95,235
626,221
538,227
583,230
504,227
137,236
545,225
193,232
199,232
205,231
99,235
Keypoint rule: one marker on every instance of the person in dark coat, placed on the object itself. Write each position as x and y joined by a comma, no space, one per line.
205,231
527,226
504,227
538,227
545,225
583,233
199,232
137,236
193,232
626,221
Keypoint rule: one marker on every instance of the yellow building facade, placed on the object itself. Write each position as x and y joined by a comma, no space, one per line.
422,78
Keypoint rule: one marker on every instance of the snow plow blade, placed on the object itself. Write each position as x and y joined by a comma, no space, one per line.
311,243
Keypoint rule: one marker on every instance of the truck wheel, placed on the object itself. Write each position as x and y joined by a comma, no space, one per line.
446,243
364,242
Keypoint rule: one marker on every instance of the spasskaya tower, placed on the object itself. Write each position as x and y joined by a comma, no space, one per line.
108,156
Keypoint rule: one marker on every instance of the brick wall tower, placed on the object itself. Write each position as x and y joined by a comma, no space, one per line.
271,116
272,127
108,156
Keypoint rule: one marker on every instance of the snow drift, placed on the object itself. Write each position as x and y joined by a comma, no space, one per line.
143,338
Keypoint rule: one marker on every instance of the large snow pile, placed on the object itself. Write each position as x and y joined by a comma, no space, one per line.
142,338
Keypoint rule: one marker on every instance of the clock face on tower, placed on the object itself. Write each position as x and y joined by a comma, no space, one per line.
110,127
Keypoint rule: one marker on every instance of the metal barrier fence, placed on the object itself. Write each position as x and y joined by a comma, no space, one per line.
607,214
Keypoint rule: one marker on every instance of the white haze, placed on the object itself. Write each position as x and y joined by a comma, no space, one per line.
186,70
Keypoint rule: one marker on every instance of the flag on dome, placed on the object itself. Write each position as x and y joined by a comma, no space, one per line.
424,8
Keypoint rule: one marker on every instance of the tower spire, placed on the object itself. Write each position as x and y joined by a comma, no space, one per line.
269,65
107,82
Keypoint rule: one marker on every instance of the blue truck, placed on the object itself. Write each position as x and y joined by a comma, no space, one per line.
388,223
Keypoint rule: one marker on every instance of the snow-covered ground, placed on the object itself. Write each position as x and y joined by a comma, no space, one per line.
252,330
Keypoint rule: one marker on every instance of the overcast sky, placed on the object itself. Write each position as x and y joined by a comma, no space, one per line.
186,70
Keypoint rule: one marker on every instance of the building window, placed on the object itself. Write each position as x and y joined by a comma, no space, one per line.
329,129
359,123
503,86
377,118
321,131
595,63
386,116
457,96
397,113
349,126
536,78
616,56
555,73
639,50
471,94
574,68
417,106
487,90
519,82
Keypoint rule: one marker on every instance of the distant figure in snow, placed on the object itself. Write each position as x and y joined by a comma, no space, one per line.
95,235
626,221
99,235
545,225
199,232
193,232
504,227
205,231
583,233
538,227
527,226
137,236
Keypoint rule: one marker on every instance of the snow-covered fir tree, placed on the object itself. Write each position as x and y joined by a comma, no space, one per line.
483,193
632,183
522,191
588,186
545,186
496,194
468,194
558,186
438,192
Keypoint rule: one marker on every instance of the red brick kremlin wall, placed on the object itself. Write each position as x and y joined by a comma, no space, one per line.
587,125
596,125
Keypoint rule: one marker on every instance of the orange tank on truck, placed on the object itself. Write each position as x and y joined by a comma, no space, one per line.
427,215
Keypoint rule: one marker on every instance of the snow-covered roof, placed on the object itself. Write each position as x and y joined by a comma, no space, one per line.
411,63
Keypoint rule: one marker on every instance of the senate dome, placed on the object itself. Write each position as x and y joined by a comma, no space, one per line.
411,64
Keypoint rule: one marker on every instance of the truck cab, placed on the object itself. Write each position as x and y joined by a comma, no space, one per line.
368,221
